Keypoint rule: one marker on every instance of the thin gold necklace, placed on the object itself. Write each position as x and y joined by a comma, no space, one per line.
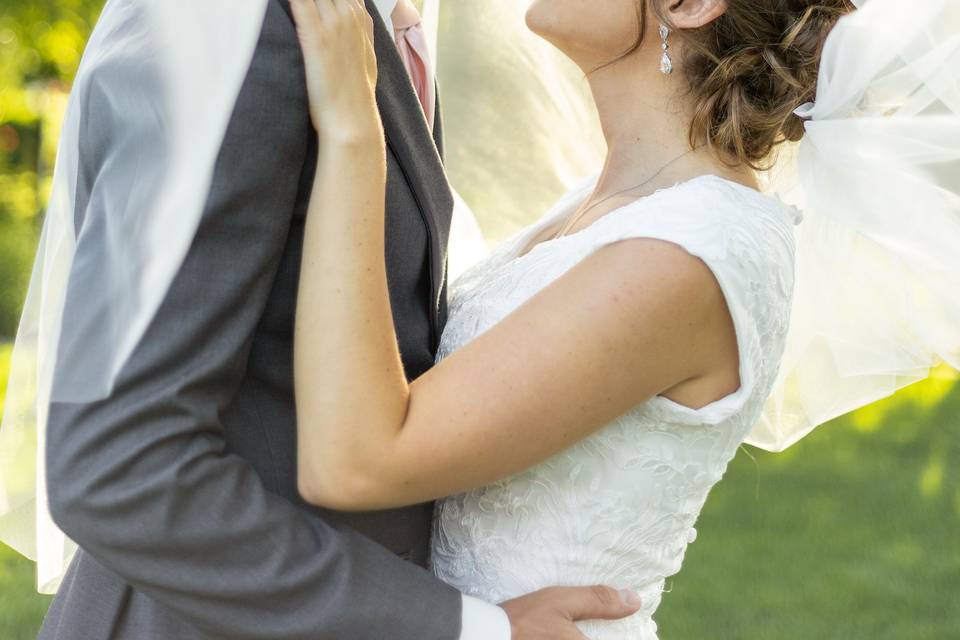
578,216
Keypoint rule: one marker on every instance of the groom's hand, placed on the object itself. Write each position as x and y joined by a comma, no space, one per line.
549,614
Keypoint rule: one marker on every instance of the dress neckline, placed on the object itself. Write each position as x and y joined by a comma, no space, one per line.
579,195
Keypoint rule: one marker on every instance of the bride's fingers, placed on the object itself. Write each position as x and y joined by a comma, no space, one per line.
305,15
327,9
367,23
358,11
309,20
321,23
365,20
350,5
314,17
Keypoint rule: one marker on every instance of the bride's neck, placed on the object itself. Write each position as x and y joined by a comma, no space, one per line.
645,120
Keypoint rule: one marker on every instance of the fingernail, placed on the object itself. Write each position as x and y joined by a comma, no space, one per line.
629,598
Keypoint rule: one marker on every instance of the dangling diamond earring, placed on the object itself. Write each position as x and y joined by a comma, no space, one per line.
666,64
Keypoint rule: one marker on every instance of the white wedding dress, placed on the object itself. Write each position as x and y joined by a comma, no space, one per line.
619,508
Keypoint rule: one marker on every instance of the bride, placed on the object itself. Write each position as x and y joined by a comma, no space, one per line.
599,370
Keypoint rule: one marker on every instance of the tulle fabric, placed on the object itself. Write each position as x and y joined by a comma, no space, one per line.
142,214
520,127
877,179
877,300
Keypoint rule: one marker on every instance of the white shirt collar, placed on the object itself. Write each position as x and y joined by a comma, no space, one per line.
386,7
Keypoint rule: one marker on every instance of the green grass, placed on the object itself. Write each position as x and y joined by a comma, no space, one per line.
21,609
852,534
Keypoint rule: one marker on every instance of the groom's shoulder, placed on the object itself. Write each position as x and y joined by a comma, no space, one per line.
278,20
275,75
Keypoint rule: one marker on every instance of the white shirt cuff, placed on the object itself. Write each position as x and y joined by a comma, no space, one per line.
483,621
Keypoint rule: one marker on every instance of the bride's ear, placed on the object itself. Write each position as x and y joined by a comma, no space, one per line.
692,14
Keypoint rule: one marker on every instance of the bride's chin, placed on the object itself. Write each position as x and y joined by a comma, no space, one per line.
542,20
573,31
587,36
537,16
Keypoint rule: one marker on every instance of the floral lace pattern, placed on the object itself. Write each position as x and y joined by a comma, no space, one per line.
619,508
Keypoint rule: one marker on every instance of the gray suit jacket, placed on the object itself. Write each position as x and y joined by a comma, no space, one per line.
181,488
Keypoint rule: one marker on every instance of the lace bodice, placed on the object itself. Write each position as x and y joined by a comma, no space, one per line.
619,508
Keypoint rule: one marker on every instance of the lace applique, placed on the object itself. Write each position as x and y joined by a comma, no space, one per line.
619,508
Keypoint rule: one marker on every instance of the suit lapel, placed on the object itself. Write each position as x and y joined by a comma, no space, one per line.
415,148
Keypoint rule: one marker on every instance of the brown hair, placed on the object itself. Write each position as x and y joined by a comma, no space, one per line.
749,70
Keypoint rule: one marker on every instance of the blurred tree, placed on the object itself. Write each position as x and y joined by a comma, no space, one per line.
41,42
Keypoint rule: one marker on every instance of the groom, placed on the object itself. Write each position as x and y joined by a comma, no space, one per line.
181,487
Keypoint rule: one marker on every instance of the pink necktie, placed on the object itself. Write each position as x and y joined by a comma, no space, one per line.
412,44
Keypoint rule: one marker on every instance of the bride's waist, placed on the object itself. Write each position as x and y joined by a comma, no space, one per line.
523,566
499,579
636,627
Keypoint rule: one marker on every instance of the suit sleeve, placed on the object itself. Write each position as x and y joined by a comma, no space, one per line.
143,480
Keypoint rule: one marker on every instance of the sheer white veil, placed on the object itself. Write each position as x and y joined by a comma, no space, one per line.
143,211
877,300
520,126
877,178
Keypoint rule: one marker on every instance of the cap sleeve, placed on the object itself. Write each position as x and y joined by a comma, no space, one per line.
748,246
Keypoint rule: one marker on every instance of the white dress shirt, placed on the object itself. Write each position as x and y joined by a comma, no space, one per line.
481,620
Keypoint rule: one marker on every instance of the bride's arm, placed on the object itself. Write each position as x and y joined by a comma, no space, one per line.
631,321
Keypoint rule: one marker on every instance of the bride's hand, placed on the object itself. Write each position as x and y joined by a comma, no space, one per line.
341,67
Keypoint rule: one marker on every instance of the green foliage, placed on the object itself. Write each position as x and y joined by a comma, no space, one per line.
18,210
41,42
5,353
16,252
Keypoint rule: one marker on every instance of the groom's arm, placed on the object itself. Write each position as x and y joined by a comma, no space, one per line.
143,482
